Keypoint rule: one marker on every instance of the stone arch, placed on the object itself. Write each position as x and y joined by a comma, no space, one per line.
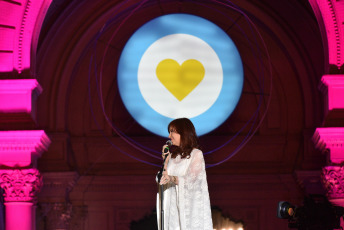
21,23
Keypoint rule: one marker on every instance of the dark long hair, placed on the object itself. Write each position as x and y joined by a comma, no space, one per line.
188,137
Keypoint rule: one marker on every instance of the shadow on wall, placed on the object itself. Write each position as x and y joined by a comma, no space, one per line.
147,222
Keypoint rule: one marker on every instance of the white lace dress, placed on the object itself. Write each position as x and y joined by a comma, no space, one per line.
186,205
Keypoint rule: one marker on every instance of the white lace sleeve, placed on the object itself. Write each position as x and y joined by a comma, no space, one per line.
194,196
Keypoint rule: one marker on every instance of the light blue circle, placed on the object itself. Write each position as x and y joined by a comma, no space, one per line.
146,35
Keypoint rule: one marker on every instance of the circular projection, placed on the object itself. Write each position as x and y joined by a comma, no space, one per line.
180,65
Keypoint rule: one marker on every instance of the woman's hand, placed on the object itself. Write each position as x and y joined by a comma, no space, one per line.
163,155
165,178
168,179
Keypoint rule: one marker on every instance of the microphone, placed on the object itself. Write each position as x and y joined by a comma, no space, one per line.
168,143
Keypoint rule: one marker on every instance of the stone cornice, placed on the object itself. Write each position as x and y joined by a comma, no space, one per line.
327,138
18,148
18,95
331,81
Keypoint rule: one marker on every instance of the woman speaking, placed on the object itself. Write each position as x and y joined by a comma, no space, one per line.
186,201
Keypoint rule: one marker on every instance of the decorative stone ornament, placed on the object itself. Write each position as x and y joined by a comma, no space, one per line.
20,185
333,180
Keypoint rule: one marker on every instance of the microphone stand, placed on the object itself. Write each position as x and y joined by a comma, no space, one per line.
162,191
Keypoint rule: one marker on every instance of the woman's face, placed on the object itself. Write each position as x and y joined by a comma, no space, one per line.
175,137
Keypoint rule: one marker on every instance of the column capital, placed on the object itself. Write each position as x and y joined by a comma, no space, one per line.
333,180
20,185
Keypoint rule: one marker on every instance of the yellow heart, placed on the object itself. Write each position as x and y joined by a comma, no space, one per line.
180,80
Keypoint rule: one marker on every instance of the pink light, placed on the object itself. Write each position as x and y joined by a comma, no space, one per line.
22,148
17,95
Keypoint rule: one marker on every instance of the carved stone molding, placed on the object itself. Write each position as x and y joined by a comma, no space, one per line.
330,18
22,25
22,148
331,139
20,185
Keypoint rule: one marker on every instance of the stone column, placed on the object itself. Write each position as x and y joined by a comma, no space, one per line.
20,189
330,138
19,151
19,178
333,179
330,141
